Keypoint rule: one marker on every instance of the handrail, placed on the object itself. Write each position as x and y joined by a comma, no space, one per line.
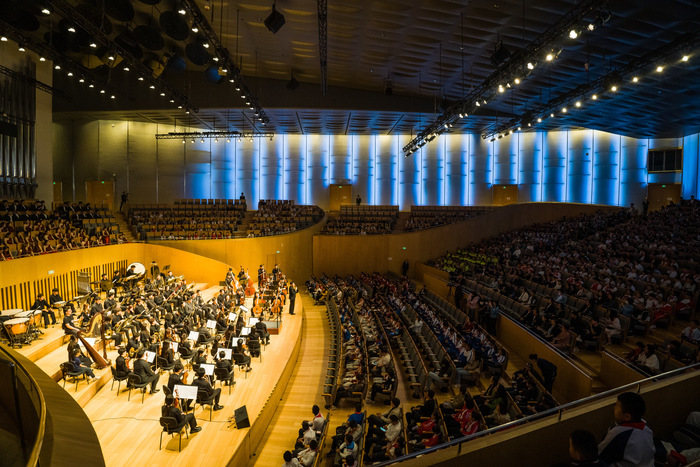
556,410
38,442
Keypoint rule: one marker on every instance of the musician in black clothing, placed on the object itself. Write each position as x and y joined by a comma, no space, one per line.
203,384
261,272
276,271
105,284
96,307
170,409
292,296
122,368
177,378
41,304
110,301
68,326
143,369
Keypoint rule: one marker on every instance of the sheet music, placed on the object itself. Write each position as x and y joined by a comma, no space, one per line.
252,321
182,391
208,368
227,352
245,331
232,316
149,356
211,324
194,335
244,309
173,345
236,340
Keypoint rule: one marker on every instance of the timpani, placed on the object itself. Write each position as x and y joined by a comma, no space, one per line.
16,330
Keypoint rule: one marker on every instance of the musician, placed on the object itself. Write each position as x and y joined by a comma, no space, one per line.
188,306
261,329
41,304
155,270
122,366
242,278
96,306
203,384
229,277
116,279
68,326
239,354
292,296
223,362
167,352
54,297
139,307
261,273
276,271
72,347
105,284
79,367
143,369
170,409
200,359
197,300
130,272
110,301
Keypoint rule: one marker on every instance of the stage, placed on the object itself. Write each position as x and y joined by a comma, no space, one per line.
129,431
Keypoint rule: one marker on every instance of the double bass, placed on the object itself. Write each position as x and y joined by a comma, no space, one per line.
249,288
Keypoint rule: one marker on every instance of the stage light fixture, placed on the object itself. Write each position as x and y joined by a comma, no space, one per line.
578,103
71,29
591,26
635,79
126,68
549,57
93,45
659,68
21,49
46,11
685,58
530,66
573,34
613,88
594,96
3,39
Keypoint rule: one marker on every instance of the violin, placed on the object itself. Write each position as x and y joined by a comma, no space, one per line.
257,309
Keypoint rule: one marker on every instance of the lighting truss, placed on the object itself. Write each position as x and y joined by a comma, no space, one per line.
323,43
225,60
598,87
519,66
212,134
68,11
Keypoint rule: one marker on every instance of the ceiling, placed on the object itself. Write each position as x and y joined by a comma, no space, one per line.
433,51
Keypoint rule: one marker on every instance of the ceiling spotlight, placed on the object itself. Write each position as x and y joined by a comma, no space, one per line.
247,102
57,67
91,85
478,105
573,34
183,141
578,103
529,124
102,91
110,58
551,115
192,141
231,80
510,132
21,49
162,94
635,79
685,58
216,59
500,88
238,140
252,108
530,66
46,11
42,59
205,45
461,115
251,140
152,86
228,140
172,101
140,78
591,26
70,73
613,89
594,96
179,106
485,102
446,125
126,68
71,29
539,120
201,140
182,11
81,80
659,68
187,112
238,88
93,45
195,29
519,128
564,110
113,96
517,81
549,57
3,39
216,140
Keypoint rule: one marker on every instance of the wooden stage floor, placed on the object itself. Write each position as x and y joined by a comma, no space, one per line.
129,431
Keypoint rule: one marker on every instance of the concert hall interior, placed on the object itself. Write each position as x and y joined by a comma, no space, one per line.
302,233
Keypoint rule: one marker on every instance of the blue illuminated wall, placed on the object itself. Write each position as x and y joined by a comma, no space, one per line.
583,166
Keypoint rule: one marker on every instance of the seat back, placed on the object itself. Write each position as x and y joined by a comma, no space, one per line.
222,374
203,397
68,367
169,424
134,379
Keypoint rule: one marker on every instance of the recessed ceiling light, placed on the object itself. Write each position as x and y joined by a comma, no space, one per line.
549,57
21,49
613,89
635,79
685,58
70,73
517,81
594,96
530,66
3,39
126,68
578,104
539,120
659,68
113,96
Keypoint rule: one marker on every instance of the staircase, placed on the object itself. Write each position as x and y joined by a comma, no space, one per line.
124,228
243,227
401,221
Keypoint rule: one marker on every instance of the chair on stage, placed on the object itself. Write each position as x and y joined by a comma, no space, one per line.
254,348
68,369
223,375
163,364
118,378
204,399
134,382
171,427
239,360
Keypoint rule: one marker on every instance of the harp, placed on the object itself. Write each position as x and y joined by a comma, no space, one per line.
95,329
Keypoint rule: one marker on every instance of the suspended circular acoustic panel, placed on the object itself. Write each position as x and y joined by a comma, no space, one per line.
174,25
177,64
95,16
212,74
121,10
21,19
197,54
149,37
128,42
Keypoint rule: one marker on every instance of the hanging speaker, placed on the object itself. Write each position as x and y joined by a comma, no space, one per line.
241,417
275,21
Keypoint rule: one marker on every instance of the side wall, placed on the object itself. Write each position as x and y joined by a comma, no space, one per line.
584,166
388,252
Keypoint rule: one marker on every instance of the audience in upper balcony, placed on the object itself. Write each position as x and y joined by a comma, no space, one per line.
276,217
427,217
